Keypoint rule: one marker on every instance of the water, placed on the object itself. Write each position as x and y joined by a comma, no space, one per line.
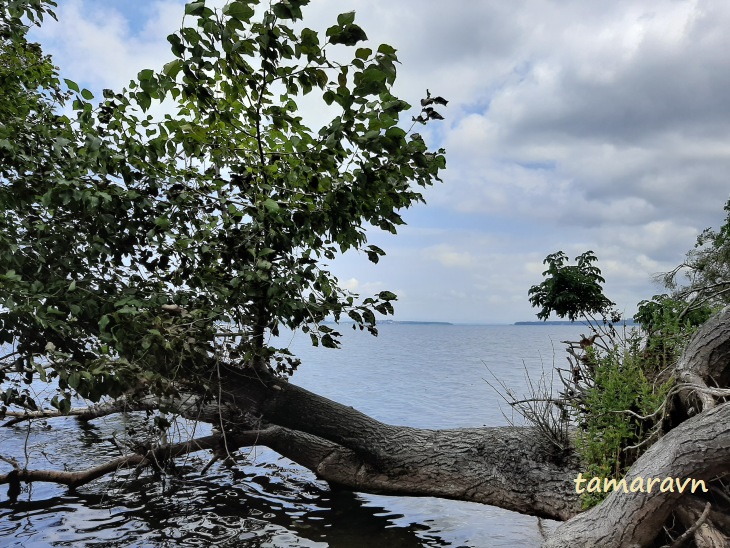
430,376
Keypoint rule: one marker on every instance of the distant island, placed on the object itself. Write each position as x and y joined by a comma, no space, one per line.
567,322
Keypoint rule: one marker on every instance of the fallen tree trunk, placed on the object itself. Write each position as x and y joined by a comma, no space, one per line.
512,467
515,468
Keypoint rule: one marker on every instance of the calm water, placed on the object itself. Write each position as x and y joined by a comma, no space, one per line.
416,375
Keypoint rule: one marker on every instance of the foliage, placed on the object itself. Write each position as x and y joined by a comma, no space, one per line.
616,414
570,291
137,251
706,270
667,324
616,387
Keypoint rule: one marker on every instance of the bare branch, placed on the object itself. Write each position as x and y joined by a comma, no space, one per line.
691,531
150,458
121,405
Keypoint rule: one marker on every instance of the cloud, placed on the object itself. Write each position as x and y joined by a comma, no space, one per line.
449,257
99,46
350,285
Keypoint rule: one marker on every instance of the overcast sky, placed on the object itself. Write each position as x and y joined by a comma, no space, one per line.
572,125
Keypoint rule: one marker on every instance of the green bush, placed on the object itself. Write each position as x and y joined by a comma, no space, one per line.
617,415
618,385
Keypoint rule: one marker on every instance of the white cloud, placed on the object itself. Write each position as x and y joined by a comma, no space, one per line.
96,44
350,285
449,257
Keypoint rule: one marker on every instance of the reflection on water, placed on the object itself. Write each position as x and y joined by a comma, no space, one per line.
270,503
416,375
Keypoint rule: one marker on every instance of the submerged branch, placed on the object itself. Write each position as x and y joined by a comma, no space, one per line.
153,458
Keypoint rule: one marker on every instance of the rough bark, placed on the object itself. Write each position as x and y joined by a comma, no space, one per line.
698,449
511,467
707,354
706,362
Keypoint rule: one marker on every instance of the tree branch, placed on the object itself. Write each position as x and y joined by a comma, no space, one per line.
699,448
153,457
691,531
121,405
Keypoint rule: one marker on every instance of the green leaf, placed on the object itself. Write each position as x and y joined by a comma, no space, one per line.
73,86
144,100
329,342
74,379
285,10
54,311
172,68
64,405
385,49
41,372
194,8
345,19
178,49
271,205
86,94
240,11
396,133
309,39
103,322
348,36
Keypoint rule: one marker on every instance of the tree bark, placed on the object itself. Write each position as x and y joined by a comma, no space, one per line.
511,467
707,354
706,362
699,449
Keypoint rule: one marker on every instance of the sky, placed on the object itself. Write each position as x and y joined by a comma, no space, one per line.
572,125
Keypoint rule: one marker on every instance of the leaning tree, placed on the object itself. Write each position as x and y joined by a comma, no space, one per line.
151,242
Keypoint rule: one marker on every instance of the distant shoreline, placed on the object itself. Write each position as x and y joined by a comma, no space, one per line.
565,322
412,322
395,322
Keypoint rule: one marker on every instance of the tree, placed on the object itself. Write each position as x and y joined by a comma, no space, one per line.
570,290
702,279
146,259
196,235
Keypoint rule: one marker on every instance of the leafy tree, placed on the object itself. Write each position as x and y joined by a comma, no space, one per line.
667,324
613,391
138,250
570,291
703,279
